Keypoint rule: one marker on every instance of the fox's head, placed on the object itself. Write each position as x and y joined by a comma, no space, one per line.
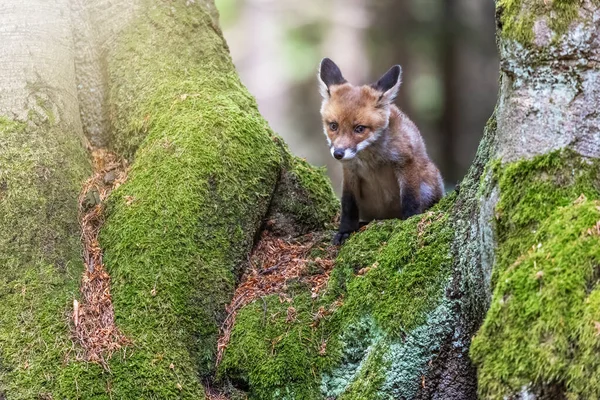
354,117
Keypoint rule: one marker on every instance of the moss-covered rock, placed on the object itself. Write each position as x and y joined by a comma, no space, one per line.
42,167
541,329
372,333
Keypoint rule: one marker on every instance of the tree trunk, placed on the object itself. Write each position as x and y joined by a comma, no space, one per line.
42,165
155,82
520,236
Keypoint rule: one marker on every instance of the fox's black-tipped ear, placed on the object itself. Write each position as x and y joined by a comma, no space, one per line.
389,84
329,74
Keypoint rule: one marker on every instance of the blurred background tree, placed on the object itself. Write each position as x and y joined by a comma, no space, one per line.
446,48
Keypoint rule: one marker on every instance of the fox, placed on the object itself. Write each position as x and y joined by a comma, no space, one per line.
386,170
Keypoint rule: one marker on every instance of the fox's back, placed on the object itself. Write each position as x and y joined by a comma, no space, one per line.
395,163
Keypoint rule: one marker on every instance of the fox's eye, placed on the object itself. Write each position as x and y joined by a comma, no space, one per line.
359,129
333,126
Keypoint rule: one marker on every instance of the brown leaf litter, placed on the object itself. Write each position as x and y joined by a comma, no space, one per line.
272,264
93,325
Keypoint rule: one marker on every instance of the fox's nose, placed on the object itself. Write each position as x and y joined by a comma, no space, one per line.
338,154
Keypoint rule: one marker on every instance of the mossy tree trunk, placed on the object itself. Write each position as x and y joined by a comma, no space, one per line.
42,166
539,193
153,81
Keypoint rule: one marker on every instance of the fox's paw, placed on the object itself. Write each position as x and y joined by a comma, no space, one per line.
340,238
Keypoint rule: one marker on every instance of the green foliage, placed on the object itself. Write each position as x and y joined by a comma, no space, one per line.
403,265
540,331
42,166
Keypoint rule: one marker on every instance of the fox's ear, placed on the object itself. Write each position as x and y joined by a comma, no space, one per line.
389,84
329,74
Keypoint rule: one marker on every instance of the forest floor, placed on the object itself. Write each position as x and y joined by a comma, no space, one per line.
273,263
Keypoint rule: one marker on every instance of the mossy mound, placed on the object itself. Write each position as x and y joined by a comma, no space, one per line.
42,167
370,335
542,328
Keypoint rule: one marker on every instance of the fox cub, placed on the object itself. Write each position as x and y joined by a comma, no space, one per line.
387,173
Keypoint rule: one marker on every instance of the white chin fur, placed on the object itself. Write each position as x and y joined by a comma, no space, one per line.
349,154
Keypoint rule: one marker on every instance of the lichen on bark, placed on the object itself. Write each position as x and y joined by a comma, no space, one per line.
517,18
538,333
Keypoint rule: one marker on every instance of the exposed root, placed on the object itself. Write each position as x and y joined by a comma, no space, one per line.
93,325
273,263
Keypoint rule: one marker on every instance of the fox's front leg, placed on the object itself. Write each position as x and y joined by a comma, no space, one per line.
410,193
349,218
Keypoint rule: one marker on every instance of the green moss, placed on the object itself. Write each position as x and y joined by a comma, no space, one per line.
530,191
316,203
406,275
403,265
517,17
304,200
42,166
206,165
178,230
539,330
370,377
278,357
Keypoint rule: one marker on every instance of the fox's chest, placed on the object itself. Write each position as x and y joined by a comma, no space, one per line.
378,194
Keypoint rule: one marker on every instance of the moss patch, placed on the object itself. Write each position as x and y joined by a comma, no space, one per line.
42,166
540,330
304,200
517,17
178,230
386,282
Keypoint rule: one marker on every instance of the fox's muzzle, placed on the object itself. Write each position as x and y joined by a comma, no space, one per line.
342,154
